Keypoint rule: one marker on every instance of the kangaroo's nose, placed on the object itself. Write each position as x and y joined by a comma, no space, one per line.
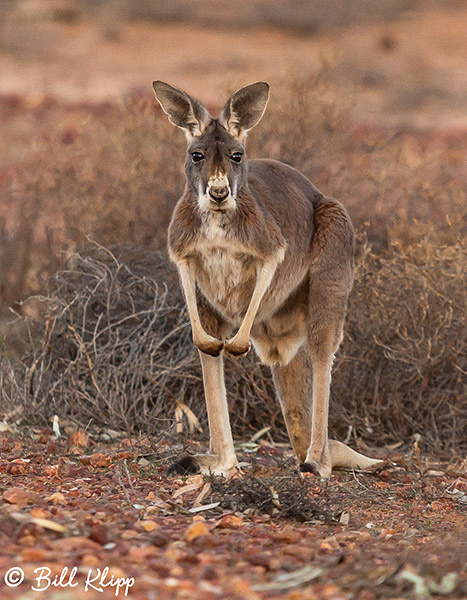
218,193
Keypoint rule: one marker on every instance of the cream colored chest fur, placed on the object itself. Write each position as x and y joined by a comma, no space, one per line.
226,272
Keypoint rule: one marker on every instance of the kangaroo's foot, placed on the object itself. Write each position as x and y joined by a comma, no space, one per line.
336,456
345,458
317,462
208,344
207,464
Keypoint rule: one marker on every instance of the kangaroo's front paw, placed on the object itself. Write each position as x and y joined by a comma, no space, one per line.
209,345
237,349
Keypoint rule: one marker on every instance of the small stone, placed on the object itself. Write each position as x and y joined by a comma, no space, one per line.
229,522
196,530
149,525
260,560
159,539
34,555
57,498
142,555
19,496
385,475
90,560
99,533
100,460
209,574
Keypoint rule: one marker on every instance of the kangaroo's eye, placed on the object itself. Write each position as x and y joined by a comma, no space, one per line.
236,157
197,156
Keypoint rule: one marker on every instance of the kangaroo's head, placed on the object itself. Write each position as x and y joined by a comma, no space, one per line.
216,166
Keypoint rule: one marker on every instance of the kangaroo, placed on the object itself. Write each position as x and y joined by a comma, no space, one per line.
260,250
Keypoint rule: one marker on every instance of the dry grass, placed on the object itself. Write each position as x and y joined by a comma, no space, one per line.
116,348
403,366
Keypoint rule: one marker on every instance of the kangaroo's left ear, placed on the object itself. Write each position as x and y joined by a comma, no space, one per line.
245,109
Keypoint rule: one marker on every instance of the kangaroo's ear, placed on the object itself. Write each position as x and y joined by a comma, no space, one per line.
183,110
245,108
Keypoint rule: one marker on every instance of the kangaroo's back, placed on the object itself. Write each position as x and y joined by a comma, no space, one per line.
279,178
289,197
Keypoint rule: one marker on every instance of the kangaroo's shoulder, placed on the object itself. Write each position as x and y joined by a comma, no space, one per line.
281,176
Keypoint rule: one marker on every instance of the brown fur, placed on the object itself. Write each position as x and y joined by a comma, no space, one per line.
273,258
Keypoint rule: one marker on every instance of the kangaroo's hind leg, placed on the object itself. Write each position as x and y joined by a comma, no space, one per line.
322,347
323,455
330,281
293,387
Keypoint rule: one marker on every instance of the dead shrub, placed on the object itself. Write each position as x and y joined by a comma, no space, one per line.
116,349
285,495
404,357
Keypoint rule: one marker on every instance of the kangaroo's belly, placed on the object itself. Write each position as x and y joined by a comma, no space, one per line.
279,337
227,279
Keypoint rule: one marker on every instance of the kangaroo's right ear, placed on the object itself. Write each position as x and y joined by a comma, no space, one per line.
183,110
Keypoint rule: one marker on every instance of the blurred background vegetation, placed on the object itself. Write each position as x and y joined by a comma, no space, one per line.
368,100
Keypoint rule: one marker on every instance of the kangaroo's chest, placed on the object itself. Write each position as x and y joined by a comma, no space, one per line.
226,272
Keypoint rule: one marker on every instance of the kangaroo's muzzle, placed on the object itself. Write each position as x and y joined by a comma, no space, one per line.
219,194
218,189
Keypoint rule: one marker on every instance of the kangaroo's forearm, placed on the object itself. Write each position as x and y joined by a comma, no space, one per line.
188,281
202,340
263,280
240,343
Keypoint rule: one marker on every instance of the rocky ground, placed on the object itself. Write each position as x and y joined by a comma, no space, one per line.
100,501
